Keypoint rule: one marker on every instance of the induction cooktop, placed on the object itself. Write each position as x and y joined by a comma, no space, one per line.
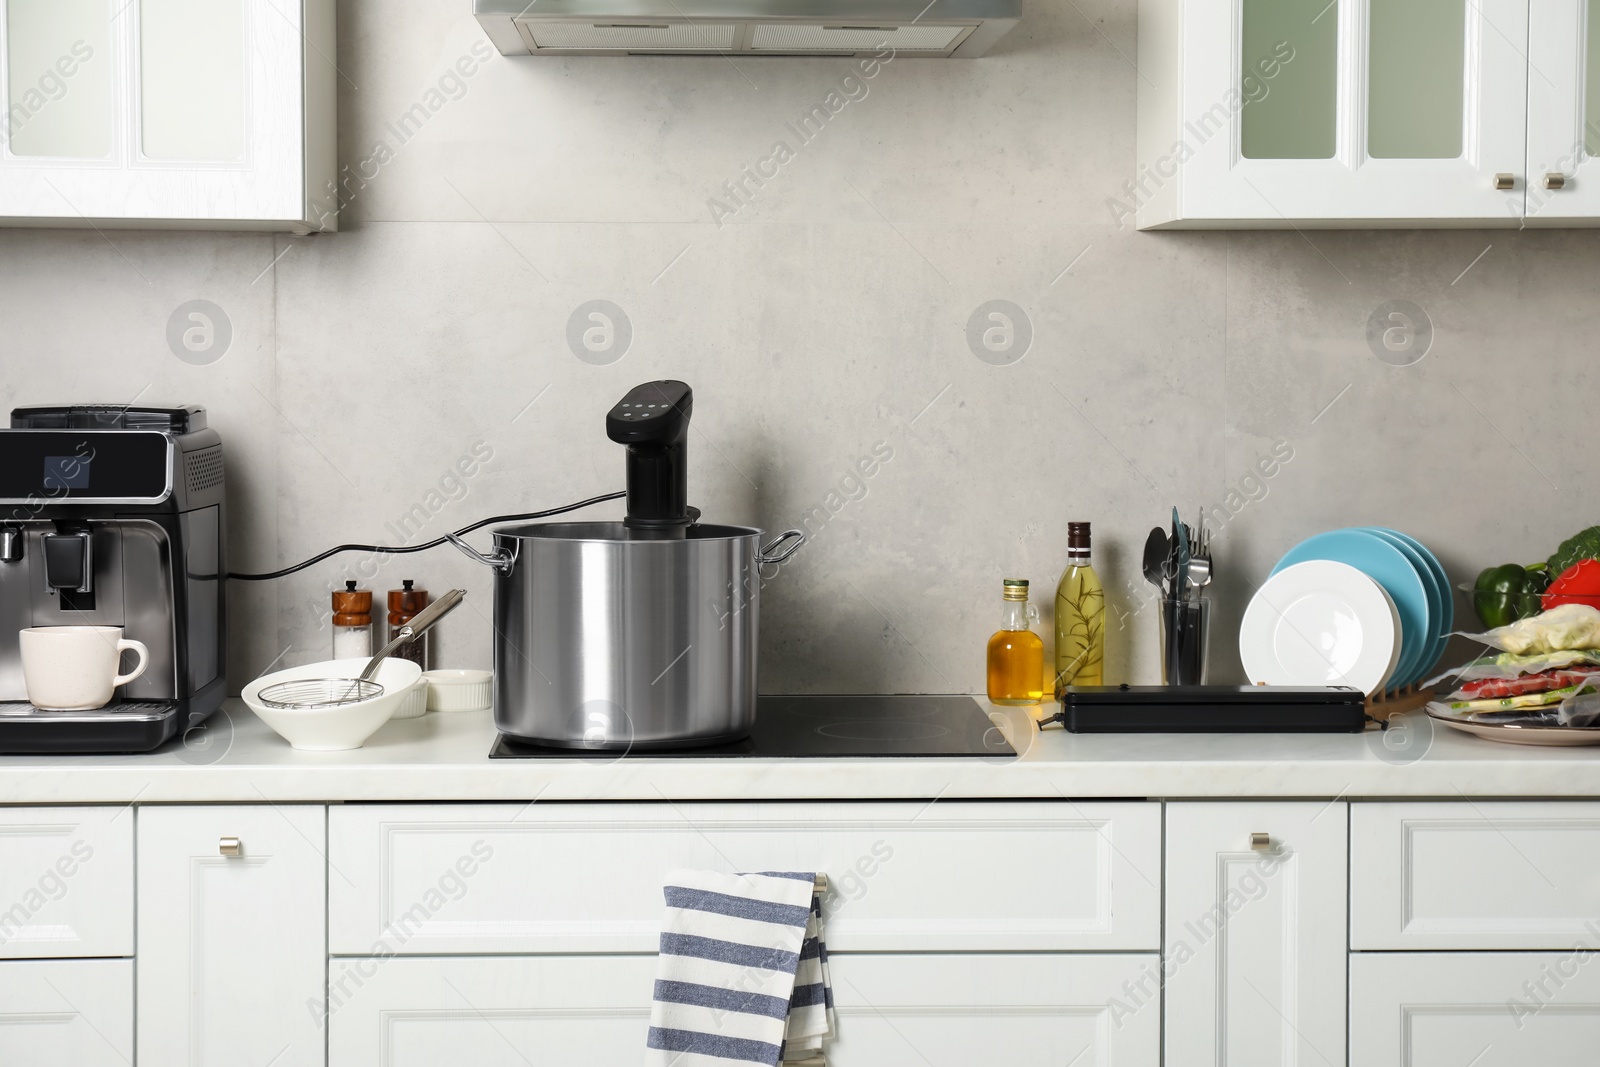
848,727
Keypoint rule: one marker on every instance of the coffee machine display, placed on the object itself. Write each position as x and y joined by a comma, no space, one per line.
113,517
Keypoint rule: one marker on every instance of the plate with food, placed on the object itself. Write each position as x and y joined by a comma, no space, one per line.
1523,730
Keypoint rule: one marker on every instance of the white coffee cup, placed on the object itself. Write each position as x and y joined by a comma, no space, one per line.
74,668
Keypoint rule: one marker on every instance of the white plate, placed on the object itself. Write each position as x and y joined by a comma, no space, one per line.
1513,733
1394,658
1320,623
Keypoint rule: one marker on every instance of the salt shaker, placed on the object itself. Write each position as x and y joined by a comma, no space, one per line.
352,622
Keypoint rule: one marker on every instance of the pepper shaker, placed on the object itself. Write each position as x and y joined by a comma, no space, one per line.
404,603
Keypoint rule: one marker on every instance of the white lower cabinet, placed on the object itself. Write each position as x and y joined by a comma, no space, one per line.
1022,934
1256,947
941,1010
232,932
66,1013
1486,1009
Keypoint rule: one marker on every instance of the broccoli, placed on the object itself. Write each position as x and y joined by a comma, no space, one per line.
1585,545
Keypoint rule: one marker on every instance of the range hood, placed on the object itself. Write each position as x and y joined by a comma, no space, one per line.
943,29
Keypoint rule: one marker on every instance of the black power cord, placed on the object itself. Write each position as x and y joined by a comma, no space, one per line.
435,543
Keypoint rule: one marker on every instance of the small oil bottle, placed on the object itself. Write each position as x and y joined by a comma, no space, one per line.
1080,617
1016,655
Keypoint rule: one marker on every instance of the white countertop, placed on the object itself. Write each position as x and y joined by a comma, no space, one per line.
445,757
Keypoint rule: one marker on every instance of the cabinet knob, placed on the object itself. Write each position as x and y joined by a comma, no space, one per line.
229,846
1555,180
1260,842
1504,182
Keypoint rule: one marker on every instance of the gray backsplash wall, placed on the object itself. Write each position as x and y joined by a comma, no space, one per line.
822,323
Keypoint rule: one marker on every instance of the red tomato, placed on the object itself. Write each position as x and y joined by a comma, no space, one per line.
1578,584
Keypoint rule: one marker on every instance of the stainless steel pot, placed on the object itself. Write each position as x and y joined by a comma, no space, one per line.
608,639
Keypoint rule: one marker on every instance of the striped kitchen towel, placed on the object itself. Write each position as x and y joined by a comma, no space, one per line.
743,972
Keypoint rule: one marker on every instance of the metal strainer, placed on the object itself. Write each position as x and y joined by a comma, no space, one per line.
308,694
311,694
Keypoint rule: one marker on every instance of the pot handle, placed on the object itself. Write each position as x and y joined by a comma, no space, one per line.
500,559
770,555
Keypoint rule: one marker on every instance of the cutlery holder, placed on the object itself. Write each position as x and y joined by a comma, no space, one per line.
1185,640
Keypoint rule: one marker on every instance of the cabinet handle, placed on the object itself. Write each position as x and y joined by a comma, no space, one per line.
1555,180
1505,182
229,846
1260,842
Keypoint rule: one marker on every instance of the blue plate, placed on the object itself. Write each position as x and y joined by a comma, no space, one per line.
1446,618
1390,568
1437,594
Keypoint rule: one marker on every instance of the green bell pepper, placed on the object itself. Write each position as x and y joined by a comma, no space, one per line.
1509,592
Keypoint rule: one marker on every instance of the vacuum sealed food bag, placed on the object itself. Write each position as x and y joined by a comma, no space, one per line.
1581,709
1510,665
1548,699
1570,627
1523,685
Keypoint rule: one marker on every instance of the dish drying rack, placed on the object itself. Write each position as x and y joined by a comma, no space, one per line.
1398,701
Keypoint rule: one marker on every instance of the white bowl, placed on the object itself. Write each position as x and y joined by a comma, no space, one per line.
341,728
458,690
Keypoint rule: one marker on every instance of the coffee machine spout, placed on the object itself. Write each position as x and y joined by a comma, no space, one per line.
69,561
11,542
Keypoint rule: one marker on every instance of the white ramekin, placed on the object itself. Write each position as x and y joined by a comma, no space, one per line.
458,690
415,704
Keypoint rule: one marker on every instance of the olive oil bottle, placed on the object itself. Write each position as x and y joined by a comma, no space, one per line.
1080,617
1016,655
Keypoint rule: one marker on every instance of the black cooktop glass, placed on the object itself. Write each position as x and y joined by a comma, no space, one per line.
837,726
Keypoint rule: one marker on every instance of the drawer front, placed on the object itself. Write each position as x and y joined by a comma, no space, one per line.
1475,875
66,882
56,1013
1036,1010
587,877
1493,1009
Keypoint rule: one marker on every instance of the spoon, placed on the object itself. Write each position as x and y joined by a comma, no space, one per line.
1199,574
1156,549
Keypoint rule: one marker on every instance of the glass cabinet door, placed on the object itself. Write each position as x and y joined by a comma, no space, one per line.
1293,114
1563,112
58,61
1343,110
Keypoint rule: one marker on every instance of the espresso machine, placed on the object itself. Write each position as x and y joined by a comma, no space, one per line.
114,516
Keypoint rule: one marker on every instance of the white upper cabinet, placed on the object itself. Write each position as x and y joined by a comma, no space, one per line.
1563,112
1349,113
168,113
